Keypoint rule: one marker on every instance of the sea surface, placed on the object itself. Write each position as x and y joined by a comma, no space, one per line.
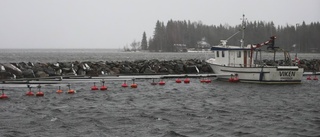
217,109
70,55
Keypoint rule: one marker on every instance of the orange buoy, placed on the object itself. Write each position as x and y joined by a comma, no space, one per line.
103,87
29,93
186,81
94,87
3,96
70,91
59,90
133,85
309,77
162,82
178,80
124,85
39,93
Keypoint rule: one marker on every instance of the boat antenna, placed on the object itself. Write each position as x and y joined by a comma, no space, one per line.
242,29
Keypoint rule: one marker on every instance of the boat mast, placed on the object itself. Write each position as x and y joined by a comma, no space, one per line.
242,29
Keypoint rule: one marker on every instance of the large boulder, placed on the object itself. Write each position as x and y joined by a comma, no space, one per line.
41,74
28,73
12,69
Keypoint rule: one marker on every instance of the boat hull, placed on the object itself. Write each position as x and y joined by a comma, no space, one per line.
272,75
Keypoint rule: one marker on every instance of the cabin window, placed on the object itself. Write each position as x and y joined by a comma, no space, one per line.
217,53
239,54
222,53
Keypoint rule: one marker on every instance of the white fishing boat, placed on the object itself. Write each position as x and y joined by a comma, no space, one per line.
244,64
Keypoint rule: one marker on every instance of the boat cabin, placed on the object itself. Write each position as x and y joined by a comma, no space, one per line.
232,56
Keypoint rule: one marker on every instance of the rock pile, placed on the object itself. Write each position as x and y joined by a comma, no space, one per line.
139,67
35,70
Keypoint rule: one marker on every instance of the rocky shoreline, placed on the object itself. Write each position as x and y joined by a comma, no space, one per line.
139,67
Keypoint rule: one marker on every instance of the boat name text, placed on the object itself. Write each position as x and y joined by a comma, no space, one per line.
287,73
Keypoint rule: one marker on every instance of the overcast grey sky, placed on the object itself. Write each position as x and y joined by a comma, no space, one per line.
115,23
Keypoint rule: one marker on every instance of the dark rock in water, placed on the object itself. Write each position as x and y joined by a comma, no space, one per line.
13,70
30,64
125,70
93,73
50,71
28,73
66,70
66,64
163,70
59,72
81,72
149,71
6,75
41,74
192,69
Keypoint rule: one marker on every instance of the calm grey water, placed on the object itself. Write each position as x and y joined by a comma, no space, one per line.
218,109
67,55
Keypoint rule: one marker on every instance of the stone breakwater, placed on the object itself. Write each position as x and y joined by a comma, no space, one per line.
140,67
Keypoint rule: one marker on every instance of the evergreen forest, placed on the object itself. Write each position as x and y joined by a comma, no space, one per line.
304,36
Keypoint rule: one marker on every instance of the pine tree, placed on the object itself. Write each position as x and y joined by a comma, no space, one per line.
144,44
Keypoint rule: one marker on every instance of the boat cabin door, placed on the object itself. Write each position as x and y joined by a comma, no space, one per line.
232,58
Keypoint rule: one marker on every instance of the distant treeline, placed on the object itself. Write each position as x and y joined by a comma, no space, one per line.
305,36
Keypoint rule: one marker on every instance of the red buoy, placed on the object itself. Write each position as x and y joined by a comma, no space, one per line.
208,80
39,93
29,93
162,82
3,96
124,85
103,87
94,87
234,78
178,80
187,81
202,80
231,79
309,77
153,83
315,77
